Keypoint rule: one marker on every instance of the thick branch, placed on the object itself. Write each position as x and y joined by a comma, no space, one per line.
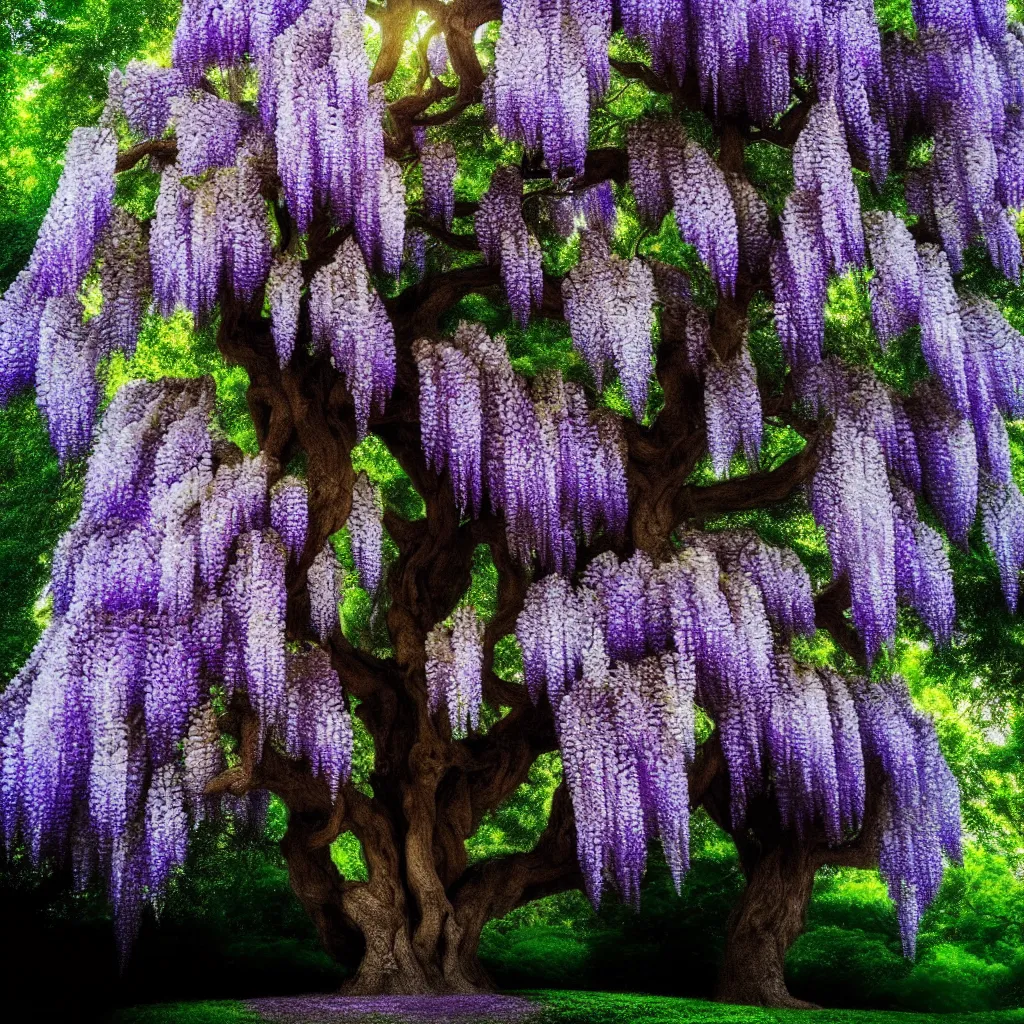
494,887
742,493
166,149
830,608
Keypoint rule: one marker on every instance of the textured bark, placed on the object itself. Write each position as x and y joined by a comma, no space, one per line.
765,923
779,866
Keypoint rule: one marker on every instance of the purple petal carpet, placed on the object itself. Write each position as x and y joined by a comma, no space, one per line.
314,1009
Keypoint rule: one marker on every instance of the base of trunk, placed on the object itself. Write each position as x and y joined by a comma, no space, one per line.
397,971
769,917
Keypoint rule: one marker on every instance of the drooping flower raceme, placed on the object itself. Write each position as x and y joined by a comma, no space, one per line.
284,288
208,130
349,317
367,531
732,407
552,466
167,583
289,513
609,305
626,722
454,669
852,501
550,59
671,171
124,283
318,724
896,287
439,168
507,243
78,213
146,97
822,168
324,587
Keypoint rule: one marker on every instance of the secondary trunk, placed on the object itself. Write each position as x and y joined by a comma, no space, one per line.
765,923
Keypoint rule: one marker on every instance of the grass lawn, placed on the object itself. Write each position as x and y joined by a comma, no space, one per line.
602,1008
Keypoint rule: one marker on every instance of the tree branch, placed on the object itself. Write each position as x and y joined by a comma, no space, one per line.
742,493
830,607
166,149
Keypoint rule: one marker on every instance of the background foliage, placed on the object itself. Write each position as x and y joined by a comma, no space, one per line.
231,927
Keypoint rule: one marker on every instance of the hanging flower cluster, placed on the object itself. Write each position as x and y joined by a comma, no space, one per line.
170,581
205,237
752,223
349,317
323,582
218,33
672,172
318,724
881,451
437,55
851,500
895,289
549,464
284,289
49,344
208,131
1002,522
551,59
626,735
289,514
124,283
732,408
922,799
626,655
822,169
146,94
76,218
961,78
455,669
365,523
439,169
609,303
326,122
507,243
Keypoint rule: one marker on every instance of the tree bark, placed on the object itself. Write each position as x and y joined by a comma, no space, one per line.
780,865
767,920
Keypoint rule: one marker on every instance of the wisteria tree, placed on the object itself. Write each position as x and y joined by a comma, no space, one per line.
669,203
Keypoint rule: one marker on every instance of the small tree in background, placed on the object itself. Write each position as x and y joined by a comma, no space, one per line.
351,229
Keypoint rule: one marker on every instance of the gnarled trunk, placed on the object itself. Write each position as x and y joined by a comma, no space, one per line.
377,926
413,926
767,920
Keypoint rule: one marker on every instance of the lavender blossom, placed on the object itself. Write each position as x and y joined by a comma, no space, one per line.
284,288
289,514
609,305
349,316
367,530
454,669
439,169
324,587
78,213
508,244
732,406
208,131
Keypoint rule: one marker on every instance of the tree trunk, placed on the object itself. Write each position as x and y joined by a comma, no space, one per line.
765,923
369,925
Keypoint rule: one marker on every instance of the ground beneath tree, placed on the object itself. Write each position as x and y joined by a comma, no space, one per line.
534,1007
326,1009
